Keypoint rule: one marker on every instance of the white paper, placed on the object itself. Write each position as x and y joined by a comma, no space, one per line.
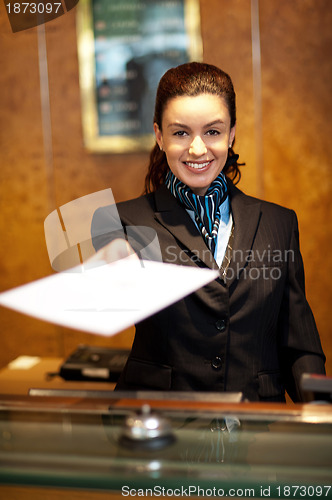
105,300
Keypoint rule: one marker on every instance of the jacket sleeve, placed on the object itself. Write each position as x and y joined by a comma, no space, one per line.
301,350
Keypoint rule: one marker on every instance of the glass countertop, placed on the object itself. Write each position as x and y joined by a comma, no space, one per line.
61,442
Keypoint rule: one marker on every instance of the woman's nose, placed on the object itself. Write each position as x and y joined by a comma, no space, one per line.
197,147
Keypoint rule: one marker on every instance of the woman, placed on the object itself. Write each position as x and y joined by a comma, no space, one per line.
251,330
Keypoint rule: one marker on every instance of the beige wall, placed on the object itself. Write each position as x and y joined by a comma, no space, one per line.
296,130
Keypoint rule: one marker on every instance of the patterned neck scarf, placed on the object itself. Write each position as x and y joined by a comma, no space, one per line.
206,208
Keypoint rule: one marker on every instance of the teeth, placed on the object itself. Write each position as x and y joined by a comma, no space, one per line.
197,165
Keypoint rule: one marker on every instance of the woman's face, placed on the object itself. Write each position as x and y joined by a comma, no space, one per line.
195,137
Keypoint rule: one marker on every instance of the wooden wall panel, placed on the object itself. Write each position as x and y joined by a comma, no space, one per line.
23,190
296,77
296,41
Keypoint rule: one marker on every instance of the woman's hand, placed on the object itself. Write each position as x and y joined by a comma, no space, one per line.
115,250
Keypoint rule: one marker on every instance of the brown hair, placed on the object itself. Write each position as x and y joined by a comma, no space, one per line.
191,79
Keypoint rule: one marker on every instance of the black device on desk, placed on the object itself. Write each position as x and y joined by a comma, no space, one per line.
90,363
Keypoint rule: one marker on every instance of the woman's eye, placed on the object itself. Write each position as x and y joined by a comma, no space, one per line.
180,133
213,132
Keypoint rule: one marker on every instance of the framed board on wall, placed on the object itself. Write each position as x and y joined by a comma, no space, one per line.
124,48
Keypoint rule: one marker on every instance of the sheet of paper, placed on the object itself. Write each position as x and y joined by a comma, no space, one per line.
105,300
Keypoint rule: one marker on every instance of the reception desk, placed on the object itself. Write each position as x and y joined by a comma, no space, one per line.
77,444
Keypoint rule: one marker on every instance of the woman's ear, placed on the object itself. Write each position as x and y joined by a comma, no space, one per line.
158,134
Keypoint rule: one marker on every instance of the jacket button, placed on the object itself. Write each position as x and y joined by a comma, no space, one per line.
221,325
216,363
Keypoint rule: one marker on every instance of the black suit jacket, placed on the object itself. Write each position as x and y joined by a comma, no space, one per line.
253,332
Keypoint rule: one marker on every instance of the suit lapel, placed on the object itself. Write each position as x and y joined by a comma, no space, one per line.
176,220
246,213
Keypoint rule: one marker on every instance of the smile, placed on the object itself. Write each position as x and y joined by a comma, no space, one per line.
197,166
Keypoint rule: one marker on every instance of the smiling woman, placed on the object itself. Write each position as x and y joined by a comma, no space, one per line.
195,135
251,330
210,85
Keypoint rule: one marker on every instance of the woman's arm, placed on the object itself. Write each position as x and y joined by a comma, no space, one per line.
301,350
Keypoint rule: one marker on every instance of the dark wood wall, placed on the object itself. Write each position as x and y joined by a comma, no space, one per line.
287,153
